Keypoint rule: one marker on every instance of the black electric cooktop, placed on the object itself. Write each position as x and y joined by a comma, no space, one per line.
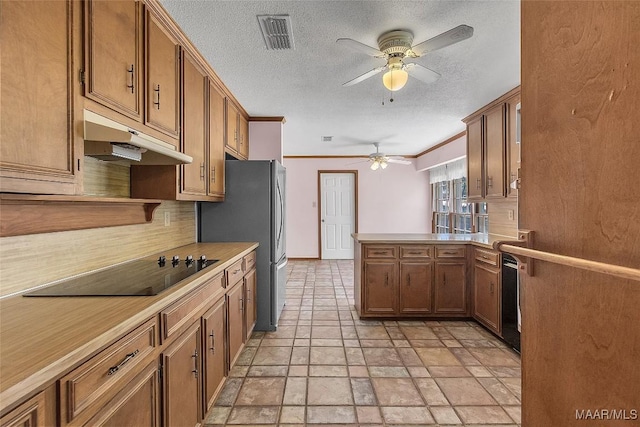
143,277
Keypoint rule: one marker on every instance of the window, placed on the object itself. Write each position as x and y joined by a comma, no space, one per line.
452,213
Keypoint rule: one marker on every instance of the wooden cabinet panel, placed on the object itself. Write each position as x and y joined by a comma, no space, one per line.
194,175
88,383
243,143
114,71
443,251
234,273
251,313
486,297
513,145
415,287
163,78
380,281
235,321
39,152
373,252
138,404
213,352
29,414
216,141
495,151
232,126
415,251
475,168
450,294
181,379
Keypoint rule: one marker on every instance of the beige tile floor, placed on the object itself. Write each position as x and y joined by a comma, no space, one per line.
324,366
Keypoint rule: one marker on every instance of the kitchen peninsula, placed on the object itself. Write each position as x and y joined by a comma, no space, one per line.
443,276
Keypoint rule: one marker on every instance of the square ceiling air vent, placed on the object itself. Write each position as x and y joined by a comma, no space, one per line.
327,138
276,31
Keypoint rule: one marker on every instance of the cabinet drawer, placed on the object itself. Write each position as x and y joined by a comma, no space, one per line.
487,257
450,251
415,251
249,261
96,377
234,273
380,252
181,313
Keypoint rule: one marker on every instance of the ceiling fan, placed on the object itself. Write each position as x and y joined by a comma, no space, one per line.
381,160
395,47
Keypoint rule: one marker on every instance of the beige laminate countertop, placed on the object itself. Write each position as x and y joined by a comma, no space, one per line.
42,338
477,239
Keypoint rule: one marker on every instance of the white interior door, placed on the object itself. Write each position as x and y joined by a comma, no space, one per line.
337,215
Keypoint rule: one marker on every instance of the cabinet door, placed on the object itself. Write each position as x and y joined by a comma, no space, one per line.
29,414
380,287
136,405
243,128
216,141
250,300
451,288
494,151
235,321
475,176
113,43
513,145
232,126
213,351
194,180
163,78
181,379
37,153
415,287
487,297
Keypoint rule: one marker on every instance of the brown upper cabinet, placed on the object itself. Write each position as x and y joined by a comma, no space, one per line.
113,34
162,66
513,144
216,141
194,176
40,152
237,143
488,162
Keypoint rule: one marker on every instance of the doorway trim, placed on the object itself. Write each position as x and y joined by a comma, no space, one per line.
355,202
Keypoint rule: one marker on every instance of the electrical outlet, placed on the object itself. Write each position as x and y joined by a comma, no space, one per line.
510,213
313,204
167,219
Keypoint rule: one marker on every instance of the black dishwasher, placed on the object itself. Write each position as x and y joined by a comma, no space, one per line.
510,303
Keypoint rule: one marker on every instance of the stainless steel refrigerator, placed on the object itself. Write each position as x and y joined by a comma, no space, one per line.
253,210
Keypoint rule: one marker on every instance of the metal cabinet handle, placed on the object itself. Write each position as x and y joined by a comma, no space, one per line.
241,303
157,101
379,252
213,174
248,293
444,279
477,183
408,279
212,335
195,362
130,71
128,357
414,253
386,279
202,171
235,135
491,288
490,182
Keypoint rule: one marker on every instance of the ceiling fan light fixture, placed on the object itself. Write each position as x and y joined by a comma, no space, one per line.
395,79
383,164
375,165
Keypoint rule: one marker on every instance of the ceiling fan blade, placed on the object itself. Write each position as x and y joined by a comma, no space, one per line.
360,47
364,76
399,161
422,73
454,35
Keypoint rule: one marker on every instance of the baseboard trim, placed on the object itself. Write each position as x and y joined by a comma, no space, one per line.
303,259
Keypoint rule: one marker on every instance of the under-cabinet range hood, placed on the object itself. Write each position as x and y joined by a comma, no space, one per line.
108,140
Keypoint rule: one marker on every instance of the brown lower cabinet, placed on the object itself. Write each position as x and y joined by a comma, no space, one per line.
487,296
251,309
214,358
235,321
181,379
411,281
29,414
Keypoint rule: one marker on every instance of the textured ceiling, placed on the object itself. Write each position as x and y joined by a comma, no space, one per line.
305,84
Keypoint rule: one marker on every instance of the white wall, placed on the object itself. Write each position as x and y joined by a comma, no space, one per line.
265,141
394,200
453,150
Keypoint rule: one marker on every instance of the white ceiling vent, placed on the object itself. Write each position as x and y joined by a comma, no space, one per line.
327,138
276,31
